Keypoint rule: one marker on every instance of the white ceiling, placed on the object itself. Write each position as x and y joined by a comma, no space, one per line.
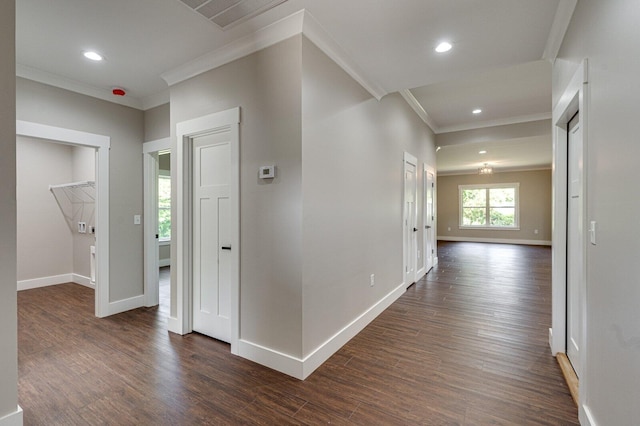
495,64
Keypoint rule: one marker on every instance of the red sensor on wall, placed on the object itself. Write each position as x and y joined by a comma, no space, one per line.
118,91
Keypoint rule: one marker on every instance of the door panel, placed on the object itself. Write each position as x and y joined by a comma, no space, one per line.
211,235
575,244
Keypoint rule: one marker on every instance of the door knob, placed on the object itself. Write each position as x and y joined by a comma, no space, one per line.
226,247
427,227
415,229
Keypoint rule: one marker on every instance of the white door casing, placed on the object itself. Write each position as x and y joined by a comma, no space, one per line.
181,320
211,238
575,244
150,182
410,216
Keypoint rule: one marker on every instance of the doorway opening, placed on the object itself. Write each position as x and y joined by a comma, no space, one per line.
157,224
99,145
430,244
410,219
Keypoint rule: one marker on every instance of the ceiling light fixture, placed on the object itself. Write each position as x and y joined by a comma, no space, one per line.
443,47
477,111
482,152
438,148
94,56
485,170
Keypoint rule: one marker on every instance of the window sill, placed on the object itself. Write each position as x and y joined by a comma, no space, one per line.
164,242
489,228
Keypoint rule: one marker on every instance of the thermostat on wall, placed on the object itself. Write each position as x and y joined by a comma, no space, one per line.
267,172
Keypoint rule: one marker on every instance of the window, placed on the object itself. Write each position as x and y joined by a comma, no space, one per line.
489,206
164,207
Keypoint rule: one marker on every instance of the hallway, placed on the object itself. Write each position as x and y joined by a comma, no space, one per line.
466,345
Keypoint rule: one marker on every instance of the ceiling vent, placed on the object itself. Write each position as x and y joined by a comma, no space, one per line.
226,13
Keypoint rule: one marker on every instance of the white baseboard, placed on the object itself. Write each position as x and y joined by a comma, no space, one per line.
44,281
173,325
12,419
497,241
83,281
268,357
302,368
551,341
126,305
55,280
164,262
586,417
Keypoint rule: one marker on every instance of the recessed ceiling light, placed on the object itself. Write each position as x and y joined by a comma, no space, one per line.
482,152
477,111
94,56
443,47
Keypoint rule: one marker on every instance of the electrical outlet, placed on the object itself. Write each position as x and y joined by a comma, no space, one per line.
372,281
82,227
449,228
535,231
136,219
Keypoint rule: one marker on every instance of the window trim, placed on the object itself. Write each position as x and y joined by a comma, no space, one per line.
514,185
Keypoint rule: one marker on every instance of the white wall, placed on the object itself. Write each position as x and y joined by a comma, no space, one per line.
156,123
607,33
352,185
49,105
45,242
266,86
8,303
312,236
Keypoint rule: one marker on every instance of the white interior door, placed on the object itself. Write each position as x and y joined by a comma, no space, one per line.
212,235
575,244
429,218
410,219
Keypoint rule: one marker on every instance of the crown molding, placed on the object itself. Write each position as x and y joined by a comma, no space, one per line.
417,107
75,86
558,29
492,123
514,169
301,22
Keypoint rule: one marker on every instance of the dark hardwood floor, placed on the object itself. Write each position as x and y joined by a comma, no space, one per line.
467,345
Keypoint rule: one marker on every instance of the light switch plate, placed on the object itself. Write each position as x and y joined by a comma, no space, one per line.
592,232
267,172
136,219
